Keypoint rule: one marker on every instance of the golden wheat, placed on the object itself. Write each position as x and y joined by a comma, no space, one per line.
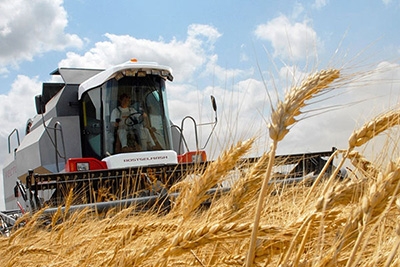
193,193
362,164
374,127
152,241
281,119
367,132
352,222
246,187
397,244
283,116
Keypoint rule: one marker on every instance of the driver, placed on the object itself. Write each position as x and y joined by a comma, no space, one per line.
127,121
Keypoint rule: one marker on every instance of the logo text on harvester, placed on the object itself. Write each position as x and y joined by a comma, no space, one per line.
145,158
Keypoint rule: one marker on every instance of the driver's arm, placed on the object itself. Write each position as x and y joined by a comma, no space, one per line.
114,118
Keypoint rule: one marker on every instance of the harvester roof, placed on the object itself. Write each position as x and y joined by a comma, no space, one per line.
75,75
129,68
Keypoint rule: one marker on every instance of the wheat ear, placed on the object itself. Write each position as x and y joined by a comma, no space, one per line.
397,244
319,177
282,118
245,188
194,193
284,115
374,127
363,164
375,203
367,132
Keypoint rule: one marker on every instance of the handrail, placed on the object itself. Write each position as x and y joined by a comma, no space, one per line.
58,154
195,132
181,138
9,136
196,125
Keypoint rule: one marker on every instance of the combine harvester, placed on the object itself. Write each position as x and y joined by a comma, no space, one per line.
106,135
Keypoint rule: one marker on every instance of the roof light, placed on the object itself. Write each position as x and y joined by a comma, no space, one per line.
141,73
133,60
156,72
167,74
119,76
129,72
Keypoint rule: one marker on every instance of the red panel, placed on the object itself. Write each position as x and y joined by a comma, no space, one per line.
193,156
94,164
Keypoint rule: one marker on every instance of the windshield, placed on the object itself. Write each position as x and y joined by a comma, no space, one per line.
125,115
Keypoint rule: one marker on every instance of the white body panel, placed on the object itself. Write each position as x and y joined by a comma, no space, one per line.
9,181
137,159
37,153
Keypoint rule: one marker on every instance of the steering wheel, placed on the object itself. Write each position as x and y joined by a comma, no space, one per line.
134,119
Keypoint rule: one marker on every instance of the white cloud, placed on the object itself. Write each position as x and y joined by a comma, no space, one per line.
28,28
243,103
213,69
361,97
196,71
18,105
290,40
193,61
185,57
16,108
318,4
298,9
390,2
209,33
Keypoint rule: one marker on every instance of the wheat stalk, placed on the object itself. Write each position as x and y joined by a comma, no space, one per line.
206,233
244,189
375,203
320,175
397,244
367,132
193,193
361,163
282,118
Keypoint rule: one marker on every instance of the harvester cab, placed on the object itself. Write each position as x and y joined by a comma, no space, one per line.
96,120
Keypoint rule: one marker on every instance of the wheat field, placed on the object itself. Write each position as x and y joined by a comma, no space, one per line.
333,222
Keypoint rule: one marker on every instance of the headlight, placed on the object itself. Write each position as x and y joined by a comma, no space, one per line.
82,166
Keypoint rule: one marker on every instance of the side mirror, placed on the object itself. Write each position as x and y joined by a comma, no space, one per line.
40,105
16,191
214,103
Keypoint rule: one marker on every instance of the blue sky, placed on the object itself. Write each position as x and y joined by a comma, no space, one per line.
235,50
